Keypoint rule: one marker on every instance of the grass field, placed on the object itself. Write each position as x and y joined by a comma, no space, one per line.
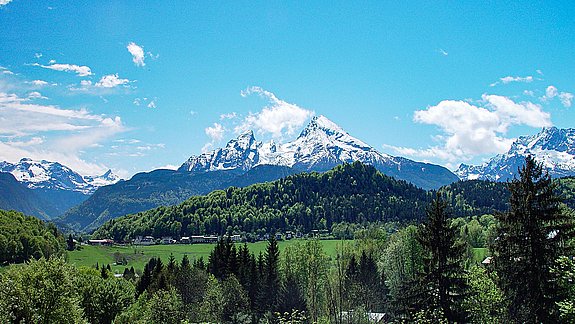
137,256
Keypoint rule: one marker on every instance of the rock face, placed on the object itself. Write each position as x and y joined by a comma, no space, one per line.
320,146
553,147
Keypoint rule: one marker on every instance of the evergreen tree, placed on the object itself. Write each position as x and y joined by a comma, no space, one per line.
70,244
443,282
530,236
271,275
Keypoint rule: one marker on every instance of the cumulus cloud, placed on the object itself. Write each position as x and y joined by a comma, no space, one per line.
551,92
468,130
52,133
4,2
111,81
215,132
137,52
279,118
152,104
79,70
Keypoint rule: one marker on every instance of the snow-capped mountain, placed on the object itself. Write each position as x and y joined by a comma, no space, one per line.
553,147
320,146
48,175
105,179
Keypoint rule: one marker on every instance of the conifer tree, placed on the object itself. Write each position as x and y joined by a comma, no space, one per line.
443,282
530,237
271,275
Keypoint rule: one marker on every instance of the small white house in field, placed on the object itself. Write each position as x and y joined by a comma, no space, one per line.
104,242
146,240
168,240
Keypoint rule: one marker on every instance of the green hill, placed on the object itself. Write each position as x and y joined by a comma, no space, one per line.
354,193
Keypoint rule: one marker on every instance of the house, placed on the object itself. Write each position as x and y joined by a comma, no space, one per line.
203,239
289,235
168,240
146,240
185,240
104,242
279,236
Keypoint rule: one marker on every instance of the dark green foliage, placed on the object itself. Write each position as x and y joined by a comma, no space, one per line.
354,193
476,197
271,275
443,284
531,235
25,237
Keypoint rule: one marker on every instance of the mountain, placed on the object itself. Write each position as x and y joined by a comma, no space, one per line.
16,196
353,193
553,147
245,161
320,146
55,185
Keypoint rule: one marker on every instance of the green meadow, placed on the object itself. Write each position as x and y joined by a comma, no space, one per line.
138,256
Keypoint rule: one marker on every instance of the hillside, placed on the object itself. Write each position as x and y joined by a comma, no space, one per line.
354,193
16,196
24,237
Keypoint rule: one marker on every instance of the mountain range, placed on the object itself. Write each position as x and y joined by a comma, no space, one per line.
245,161
85,202
51,186
553,147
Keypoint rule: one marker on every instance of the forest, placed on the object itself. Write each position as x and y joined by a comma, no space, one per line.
408,273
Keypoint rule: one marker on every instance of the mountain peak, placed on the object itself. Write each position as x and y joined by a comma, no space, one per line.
552,146
323,124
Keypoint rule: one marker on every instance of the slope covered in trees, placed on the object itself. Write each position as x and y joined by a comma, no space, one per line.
353,193
16,196
25,237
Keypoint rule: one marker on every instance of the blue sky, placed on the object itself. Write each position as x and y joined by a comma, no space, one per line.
137,85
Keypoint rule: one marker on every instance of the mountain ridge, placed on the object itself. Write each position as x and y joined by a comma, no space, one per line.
553,147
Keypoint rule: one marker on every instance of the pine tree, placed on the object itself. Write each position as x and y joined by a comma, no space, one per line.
443,282
530,236
271,276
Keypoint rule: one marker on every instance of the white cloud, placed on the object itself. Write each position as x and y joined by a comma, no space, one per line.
80,70
4,2
468,130
551,92
111,81
509,79
152,104
231,115
277,118
566,98
38,83
37,55
137,52
36,95
443,52
52,133
215,132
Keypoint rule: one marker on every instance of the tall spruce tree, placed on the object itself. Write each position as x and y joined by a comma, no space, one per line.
530,237
443,283
271,276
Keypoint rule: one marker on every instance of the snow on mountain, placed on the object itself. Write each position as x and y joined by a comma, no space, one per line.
320,146
105,179
54,176
553,147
